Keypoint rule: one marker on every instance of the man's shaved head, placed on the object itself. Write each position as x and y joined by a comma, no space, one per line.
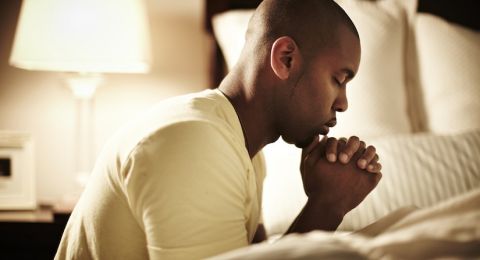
291,76
312,24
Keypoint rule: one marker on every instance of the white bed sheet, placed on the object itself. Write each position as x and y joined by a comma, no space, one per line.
447,230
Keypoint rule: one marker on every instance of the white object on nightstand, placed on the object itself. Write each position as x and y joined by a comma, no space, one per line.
17,183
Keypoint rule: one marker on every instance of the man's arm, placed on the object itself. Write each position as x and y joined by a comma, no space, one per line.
260,234
316,216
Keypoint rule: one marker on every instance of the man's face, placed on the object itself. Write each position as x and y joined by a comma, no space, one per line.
320,91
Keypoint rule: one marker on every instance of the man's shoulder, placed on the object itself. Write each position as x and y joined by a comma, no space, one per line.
207,107
175,110
187,146
198,129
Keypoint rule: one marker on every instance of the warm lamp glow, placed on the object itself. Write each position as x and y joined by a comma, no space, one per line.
82,36
87,38
84,85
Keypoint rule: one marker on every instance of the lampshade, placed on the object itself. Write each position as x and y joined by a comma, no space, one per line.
82,36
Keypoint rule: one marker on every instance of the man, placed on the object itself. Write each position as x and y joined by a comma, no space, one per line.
185,180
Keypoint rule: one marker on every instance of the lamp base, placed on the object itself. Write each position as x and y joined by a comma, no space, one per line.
83,86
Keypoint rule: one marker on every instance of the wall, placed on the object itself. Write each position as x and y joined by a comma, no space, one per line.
39,102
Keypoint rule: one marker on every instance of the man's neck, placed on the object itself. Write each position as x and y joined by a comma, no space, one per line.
252,111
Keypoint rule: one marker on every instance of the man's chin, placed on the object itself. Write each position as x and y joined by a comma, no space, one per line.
301,144
305,143
289,141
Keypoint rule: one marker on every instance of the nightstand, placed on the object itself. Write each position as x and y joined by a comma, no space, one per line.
31,234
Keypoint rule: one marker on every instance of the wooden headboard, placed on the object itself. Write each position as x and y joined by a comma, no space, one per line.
464,12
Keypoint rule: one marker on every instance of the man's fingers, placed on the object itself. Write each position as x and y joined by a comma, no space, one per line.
342,143
313,151
306,151
362,146
367,157
347,149
351,147
362,162
375,159
318,151
331,149
374,167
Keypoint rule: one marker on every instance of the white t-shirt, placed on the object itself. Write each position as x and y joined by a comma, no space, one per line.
177,183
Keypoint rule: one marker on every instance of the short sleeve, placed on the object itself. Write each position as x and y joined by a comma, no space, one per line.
186,187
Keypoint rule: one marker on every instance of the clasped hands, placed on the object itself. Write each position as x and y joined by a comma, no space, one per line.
338,173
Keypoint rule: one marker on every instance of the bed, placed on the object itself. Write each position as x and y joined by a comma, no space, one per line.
419,73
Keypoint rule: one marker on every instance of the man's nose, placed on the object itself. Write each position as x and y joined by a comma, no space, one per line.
341,103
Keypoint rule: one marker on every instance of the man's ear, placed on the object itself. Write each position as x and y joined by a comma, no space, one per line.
284,57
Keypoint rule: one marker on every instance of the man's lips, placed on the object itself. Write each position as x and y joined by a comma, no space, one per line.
324,130
332,122
326,127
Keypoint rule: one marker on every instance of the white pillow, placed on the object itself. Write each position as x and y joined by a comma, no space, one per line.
449,70
377,95
229,29
419,170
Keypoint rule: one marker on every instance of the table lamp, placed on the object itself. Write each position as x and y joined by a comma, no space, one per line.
84,39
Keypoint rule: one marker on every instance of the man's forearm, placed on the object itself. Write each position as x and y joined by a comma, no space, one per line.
316,216
260,234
